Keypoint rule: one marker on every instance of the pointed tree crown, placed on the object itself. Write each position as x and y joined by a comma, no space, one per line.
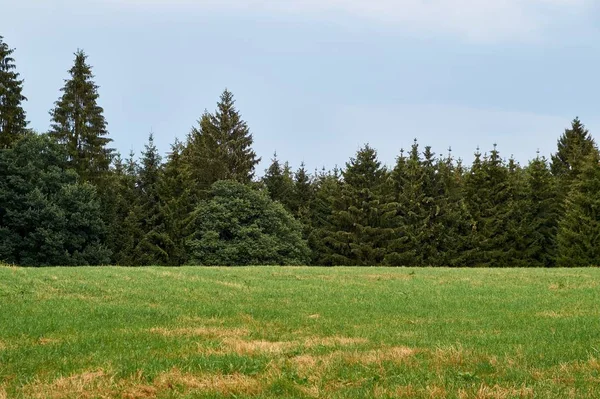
12,115
78,122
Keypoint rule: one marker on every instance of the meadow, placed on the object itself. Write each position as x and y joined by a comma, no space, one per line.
269,332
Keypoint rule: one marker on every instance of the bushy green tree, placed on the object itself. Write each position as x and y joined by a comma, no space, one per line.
579,230
78,123
12,115
238,225
47,217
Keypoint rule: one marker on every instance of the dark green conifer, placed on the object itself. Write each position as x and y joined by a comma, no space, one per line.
220,148
489,202
408,180
541,211
78,123
579,230
279,182
12,115
361,216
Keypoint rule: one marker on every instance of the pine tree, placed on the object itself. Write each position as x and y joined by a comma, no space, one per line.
12,115
155,244
575,145
221,148
119,198
327,188
361,215
450,217
541,214
176,204
78,123
303,193
518,229
489,202
279,182
408,179
579,231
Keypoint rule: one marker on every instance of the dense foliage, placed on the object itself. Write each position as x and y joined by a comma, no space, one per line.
67,198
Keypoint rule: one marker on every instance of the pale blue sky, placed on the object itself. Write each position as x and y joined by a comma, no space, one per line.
316,79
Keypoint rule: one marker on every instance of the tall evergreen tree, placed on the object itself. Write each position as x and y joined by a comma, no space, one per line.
579,230
303,193
279,182
489,201
574,146
408,179
361,215
541,215
221,148
327,191
78,123
12,115
176,204
154,245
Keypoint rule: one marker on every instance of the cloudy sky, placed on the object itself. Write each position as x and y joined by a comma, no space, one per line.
316,79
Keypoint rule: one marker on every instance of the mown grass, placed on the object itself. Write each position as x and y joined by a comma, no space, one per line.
299,332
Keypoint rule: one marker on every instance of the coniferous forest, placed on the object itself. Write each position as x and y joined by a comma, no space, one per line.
67,198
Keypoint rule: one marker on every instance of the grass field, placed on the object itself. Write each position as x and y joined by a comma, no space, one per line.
299,332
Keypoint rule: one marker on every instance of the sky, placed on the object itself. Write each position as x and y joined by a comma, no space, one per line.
318,79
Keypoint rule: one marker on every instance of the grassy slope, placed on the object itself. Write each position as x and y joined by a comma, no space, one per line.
299,332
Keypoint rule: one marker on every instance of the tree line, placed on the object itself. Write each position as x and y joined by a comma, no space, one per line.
67,198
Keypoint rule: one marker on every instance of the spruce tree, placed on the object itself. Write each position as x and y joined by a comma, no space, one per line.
541,214
361,215
220,148
408,179
489,202
78,123
303,193
154,245
573,147
579,230
327,188
176,204
451,226
12,115
279,182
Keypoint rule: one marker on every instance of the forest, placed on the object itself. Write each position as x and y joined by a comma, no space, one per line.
67,198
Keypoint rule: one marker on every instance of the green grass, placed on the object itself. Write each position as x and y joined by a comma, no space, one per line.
299,332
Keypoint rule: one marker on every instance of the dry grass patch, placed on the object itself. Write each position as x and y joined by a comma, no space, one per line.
208,332
451,356
499,392
397,354
234,384
3,394
99,384
334,341
241,347
48,341
91,384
